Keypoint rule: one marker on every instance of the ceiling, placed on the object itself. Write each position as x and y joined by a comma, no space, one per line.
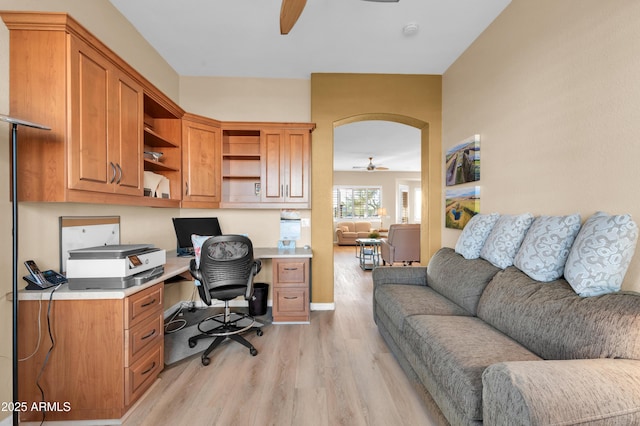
241,38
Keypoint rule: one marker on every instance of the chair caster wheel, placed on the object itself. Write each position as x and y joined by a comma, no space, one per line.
259,332
205,361
192,343
253,351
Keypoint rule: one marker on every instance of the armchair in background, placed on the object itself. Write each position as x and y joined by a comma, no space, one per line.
225,270
402,245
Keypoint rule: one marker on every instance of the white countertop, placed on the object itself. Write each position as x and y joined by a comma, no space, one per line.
175,266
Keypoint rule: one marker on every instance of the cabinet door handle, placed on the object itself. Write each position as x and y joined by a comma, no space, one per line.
281,190
148,303
149,369
148,335
290,269
186,185
290,297
113,167
119,173
287,194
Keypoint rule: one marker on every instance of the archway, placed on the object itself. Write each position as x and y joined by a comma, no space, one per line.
426,214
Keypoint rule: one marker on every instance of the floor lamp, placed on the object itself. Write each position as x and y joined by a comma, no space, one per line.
15,122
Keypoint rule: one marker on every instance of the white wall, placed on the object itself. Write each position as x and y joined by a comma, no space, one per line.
552,88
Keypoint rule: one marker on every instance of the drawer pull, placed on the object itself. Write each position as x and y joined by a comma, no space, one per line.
290,269
290,297
149,369
148,335
148,303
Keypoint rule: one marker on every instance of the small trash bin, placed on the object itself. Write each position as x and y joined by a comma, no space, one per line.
258,306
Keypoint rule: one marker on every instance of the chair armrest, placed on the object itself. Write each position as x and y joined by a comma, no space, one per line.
255,268
588,391
195,272
399,275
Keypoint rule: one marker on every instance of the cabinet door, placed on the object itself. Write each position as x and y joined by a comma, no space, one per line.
201,164
126,138
273,163
88,156
298,166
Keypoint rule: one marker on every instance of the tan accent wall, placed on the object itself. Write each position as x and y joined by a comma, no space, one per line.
338,99
552,88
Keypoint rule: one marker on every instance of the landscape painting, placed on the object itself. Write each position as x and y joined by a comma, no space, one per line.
461,205
463,162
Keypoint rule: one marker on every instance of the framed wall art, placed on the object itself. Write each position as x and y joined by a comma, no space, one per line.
462,162
461,205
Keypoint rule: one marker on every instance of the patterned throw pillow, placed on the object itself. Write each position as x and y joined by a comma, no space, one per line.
475,234
546,246
601,254
198,241
505,238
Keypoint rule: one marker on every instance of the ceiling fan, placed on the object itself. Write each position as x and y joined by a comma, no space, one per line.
371,167
289,14
292,9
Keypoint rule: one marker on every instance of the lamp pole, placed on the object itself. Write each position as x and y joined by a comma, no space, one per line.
15,122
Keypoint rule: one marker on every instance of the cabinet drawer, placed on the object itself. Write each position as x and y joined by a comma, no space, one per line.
140,305
143,373
291,272
141,336
291,302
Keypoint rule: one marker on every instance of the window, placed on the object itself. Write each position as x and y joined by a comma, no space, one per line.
356,202
417,205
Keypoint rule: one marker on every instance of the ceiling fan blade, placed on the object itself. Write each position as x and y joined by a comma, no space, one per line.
289,14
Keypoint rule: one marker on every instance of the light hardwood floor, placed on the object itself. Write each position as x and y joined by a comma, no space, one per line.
335,371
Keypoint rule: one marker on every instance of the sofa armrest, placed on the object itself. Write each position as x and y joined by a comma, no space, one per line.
415,275
589,391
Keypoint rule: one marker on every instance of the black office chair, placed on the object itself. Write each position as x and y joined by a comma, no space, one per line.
226,271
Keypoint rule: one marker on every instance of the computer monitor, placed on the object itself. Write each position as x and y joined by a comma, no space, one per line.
187,226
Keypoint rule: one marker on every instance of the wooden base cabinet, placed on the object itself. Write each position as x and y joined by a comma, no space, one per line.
291,292
106,354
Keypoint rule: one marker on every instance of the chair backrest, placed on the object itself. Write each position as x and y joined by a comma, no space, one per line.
406,240
227,268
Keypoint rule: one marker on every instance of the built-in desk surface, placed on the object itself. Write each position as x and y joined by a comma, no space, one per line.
174,266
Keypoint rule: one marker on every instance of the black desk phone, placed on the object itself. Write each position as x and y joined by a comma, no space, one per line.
39,280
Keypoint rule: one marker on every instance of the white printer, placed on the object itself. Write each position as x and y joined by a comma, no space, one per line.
114,266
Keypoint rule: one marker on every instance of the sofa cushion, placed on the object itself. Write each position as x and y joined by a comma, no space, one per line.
363,227
400,301
601,254
457,350
554,322
505,238
546,246
459,279
475,234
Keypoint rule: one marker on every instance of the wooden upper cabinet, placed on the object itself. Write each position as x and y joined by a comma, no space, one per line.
63,77
266,165
201,162
286,166
106,125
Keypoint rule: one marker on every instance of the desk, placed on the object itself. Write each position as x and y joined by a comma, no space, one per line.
109,344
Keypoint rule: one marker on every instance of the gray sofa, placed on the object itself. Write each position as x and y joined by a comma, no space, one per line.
496,347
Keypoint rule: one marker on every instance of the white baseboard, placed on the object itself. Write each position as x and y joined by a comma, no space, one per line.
323,306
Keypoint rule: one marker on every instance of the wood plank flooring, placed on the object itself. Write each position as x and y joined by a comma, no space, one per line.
335,371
